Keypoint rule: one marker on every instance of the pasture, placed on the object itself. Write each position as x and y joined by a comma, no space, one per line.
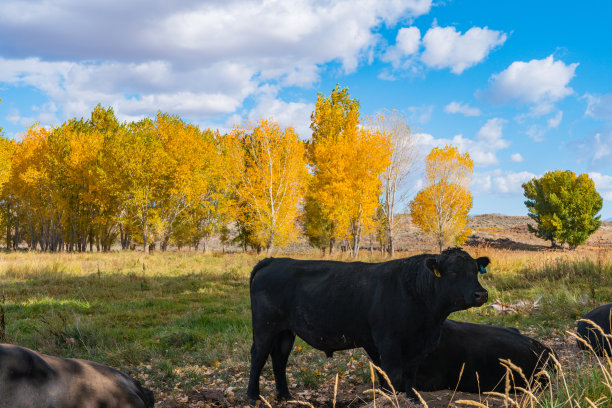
180,321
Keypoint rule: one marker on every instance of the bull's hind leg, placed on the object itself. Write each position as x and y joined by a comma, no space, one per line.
281,348
259,354
375,357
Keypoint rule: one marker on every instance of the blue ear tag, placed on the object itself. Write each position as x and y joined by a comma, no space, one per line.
482,270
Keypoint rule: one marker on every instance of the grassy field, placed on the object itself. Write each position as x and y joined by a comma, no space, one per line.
180,321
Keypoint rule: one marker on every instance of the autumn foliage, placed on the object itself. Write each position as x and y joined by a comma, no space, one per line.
441,208
267,169
347,162
96,183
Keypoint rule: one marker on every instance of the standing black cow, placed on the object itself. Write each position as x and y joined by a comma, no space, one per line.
29,379
480,347
394,310
602,317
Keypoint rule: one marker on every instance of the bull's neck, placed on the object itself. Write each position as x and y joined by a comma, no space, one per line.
439,309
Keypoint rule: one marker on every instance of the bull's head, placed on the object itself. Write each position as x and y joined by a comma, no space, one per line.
456,278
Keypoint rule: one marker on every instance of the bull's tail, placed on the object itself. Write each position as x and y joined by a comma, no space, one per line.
261,264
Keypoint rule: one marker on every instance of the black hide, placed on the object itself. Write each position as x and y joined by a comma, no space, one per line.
481,347
394,310
601,316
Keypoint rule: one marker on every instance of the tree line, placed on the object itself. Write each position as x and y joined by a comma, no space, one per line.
93,183
96,183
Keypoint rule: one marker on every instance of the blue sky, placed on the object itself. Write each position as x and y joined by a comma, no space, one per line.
523,86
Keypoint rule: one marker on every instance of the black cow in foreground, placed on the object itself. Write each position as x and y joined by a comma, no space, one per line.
394,310
481,347
30,380
602,317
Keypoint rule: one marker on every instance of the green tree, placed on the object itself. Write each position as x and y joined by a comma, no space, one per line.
564,206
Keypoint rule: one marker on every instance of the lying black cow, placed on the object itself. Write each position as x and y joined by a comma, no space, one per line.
480,347
29,379
601,316
394,310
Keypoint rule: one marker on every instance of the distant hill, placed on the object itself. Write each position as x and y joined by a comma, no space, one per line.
494,230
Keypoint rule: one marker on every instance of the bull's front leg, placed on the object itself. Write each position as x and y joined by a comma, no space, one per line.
410,371
399,366
391,363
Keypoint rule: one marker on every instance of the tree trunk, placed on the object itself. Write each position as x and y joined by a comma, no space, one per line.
164,244
145,241
356,232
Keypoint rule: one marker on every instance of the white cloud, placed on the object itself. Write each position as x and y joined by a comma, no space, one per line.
419,114
482,149
197,59
407,44
555,121
134,90
501,182
517,158
45,115
294,114
447,48
491,133
408,40
603,185
465,109
512,182
599,106
595,149
538,82
536,133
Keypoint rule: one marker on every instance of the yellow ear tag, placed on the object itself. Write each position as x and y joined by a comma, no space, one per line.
437,273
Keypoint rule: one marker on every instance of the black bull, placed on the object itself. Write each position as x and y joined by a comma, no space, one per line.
468,359
597,335
394,310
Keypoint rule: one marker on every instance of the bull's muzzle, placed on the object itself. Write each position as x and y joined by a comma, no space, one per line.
480,297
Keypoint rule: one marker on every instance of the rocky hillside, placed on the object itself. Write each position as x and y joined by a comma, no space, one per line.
498,231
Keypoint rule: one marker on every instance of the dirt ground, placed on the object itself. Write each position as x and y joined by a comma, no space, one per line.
359,396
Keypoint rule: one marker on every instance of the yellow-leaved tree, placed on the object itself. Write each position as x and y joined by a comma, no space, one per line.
347,162
35,201
208,195
140,160
441,208
7,148
269,172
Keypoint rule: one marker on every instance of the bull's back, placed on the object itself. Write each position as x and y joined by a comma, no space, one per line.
316,299
292,280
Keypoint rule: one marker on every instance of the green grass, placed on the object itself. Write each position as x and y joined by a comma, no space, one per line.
177,320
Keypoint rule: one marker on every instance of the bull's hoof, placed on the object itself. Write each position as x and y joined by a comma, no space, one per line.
283,396
253,400
411,395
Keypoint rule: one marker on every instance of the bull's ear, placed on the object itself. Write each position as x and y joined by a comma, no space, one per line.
483,261
432,265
